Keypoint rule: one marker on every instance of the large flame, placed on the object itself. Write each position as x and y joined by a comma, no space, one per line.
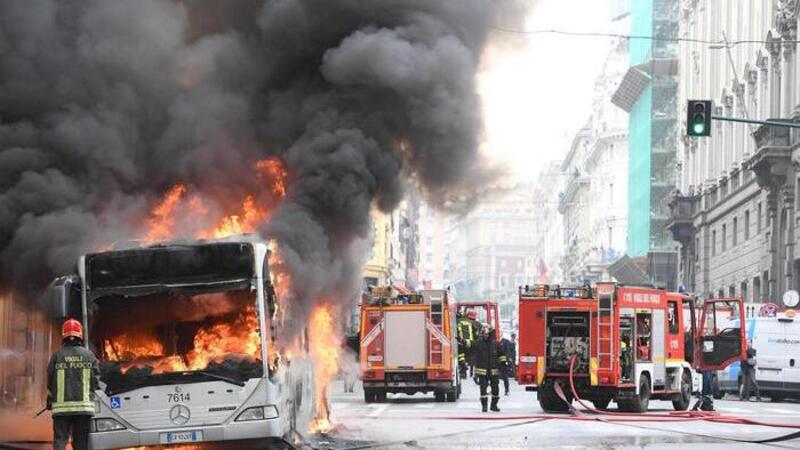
325,352
212,343
183,213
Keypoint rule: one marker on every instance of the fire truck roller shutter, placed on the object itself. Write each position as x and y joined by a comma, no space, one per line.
404,340
659,343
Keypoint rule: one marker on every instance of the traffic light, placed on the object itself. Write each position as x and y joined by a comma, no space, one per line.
698,122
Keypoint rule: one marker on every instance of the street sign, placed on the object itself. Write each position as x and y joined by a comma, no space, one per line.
768,310
791,298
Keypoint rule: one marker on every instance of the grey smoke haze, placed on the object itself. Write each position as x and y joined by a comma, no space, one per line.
104,105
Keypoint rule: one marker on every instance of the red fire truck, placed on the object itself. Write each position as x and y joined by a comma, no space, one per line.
488,313
630,344
408,344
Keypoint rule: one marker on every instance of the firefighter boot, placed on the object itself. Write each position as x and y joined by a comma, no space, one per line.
484,401
494,404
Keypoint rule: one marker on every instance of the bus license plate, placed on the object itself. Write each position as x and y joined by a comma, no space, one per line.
181,436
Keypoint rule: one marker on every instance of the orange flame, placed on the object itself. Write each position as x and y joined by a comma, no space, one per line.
325,352
212,343
175,209
162,220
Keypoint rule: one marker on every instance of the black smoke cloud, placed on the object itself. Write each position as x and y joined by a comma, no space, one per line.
104,105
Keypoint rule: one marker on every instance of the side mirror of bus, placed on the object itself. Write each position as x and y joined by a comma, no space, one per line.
721,338
62,297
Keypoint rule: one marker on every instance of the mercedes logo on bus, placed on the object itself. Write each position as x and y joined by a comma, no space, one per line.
179,414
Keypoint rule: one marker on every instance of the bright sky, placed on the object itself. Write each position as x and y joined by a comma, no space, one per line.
537,93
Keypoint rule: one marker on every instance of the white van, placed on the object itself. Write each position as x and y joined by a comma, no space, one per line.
777,344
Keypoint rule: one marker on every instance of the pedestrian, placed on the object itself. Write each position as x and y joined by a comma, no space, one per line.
706,401
488,361
465,339
749,382
506,370
72,375
512,357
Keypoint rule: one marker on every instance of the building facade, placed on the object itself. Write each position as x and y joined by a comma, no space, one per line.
594,200
734,214
490,250
648,92
548,247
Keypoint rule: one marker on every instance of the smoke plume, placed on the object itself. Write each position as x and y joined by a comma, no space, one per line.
104,105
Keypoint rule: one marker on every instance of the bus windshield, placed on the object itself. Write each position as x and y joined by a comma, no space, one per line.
170,337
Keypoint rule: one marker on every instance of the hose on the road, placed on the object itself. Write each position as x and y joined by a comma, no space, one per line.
676,416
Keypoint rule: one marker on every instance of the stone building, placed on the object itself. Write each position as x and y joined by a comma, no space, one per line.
734,212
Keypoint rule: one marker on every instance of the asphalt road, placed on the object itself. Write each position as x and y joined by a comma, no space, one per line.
409,422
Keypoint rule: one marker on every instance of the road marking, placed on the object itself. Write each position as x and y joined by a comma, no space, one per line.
425,405
732,409
781,410
379,410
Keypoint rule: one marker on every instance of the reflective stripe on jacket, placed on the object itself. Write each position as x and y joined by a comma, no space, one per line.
71,380
488,357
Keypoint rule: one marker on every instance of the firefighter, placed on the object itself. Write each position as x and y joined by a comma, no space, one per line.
506,369
749,374
71,381
465,337
472,317
626,361
489,359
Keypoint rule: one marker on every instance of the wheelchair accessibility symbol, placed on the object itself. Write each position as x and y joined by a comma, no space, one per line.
116,403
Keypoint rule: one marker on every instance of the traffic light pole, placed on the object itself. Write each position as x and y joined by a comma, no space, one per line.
758,122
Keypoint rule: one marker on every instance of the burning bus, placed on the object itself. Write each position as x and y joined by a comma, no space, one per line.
185,333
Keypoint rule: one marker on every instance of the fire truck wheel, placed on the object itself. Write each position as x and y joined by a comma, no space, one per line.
642,401
601,402
369,396
451,395
439,395
681,401
549,401
380,396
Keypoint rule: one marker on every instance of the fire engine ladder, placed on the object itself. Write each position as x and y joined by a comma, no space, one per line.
605,332
436,323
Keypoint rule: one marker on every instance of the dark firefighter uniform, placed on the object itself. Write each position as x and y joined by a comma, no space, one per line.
71,381
476,332
489,361
466,338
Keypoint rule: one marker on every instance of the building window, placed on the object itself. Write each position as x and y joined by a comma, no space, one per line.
735,231
758,229
746,224
714,243
724,237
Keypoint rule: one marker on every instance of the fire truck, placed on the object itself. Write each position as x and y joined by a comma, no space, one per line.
487,313
408,344
630,344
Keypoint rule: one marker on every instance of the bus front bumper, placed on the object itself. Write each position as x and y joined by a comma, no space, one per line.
233,431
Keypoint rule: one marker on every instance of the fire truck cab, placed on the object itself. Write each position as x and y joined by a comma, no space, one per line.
408,344
632,344
488,313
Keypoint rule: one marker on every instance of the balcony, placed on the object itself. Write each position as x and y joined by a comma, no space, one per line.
773,160
682,209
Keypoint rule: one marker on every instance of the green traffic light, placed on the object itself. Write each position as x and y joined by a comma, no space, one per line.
698,128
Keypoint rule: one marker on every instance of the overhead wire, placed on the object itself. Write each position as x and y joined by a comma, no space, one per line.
720,42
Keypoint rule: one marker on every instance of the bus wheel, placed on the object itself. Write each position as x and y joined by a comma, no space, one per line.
681,401
640,402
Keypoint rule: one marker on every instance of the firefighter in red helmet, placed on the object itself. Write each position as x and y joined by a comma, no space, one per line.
71,381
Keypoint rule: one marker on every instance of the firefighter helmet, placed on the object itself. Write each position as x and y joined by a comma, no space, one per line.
72,328
472,314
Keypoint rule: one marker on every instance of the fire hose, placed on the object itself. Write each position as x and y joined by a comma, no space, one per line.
629,419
